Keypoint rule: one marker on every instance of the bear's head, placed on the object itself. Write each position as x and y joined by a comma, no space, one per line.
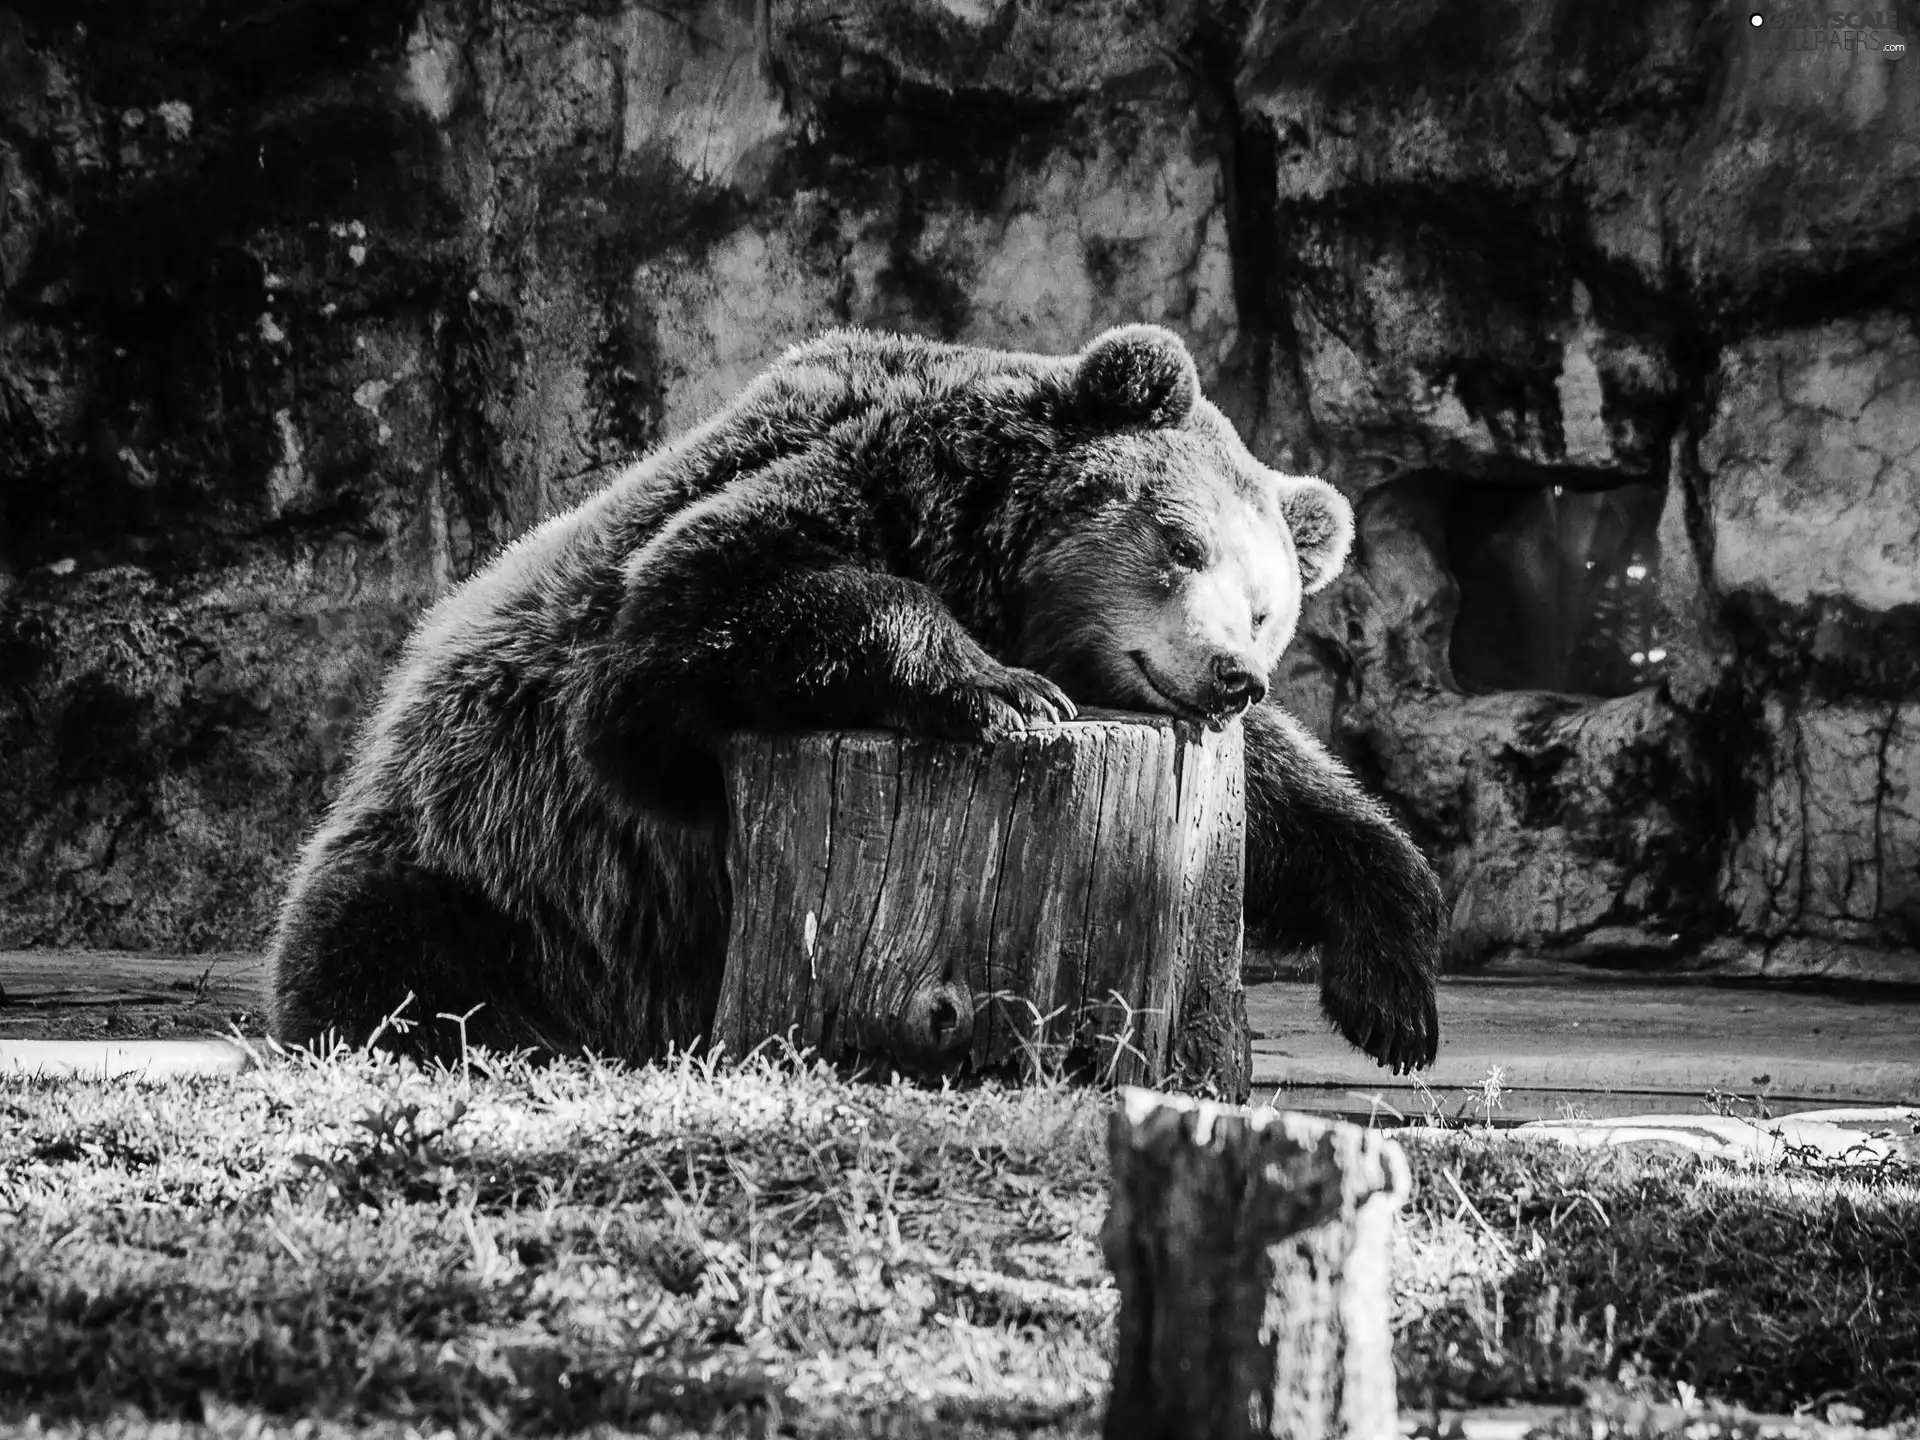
1167,565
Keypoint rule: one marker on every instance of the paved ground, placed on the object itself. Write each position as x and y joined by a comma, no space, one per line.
99,995
1610,1044
1605,1043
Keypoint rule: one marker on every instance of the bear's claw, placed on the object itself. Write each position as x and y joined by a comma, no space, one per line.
1399,1029
1001,700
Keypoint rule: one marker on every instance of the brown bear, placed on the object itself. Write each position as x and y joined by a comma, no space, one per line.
881,531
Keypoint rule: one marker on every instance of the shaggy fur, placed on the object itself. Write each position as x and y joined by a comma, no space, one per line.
879,532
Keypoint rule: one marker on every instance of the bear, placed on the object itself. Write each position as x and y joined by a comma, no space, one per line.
880,531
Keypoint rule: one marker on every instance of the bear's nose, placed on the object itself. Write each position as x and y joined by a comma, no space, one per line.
1235,686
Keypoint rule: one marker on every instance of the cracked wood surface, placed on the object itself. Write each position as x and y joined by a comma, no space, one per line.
937,903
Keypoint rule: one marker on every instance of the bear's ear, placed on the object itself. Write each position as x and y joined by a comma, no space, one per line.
1322,524
1135,375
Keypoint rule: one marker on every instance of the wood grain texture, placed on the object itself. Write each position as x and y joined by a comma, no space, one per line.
1251,1251
1073,890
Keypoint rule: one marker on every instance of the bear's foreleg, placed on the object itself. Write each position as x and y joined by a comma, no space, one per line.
758,614
1328,867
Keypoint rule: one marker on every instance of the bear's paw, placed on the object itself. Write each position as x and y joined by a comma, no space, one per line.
988,705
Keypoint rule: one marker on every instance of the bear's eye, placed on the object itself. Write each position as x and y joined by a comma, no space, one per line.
1189,552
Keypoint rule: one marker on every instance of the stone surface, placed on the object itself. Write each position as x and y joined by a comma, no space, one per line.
122,1060
1812,464
305,312
1556,822
1582,251
1832,852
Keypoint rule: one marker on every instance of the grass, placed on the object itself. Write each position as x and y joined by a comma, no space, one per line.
1528,1272
355,1245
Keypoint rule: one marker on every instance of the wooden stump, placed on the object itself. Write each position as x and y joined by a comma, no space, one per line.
1251,1250
954,906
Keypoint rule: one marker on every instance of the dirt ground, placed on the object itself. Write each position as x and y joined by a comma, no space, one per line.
1603,1042
103,995
1615,1044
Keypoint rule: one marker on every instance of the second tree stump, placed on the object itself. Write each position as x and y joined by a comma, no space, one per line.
1251,1249
954,906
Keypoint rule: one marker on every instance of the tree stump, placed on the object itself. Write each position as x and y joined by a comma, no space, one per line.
1251,1250
1073,891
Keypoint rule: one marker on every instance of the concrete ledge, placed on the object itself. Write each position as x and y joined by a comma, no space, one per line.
1869,1138
1624,1071
1516,1421
121,1059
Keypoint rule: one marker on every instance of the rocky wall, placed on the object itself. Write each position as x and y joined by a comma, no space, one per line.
1573,254
305,307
